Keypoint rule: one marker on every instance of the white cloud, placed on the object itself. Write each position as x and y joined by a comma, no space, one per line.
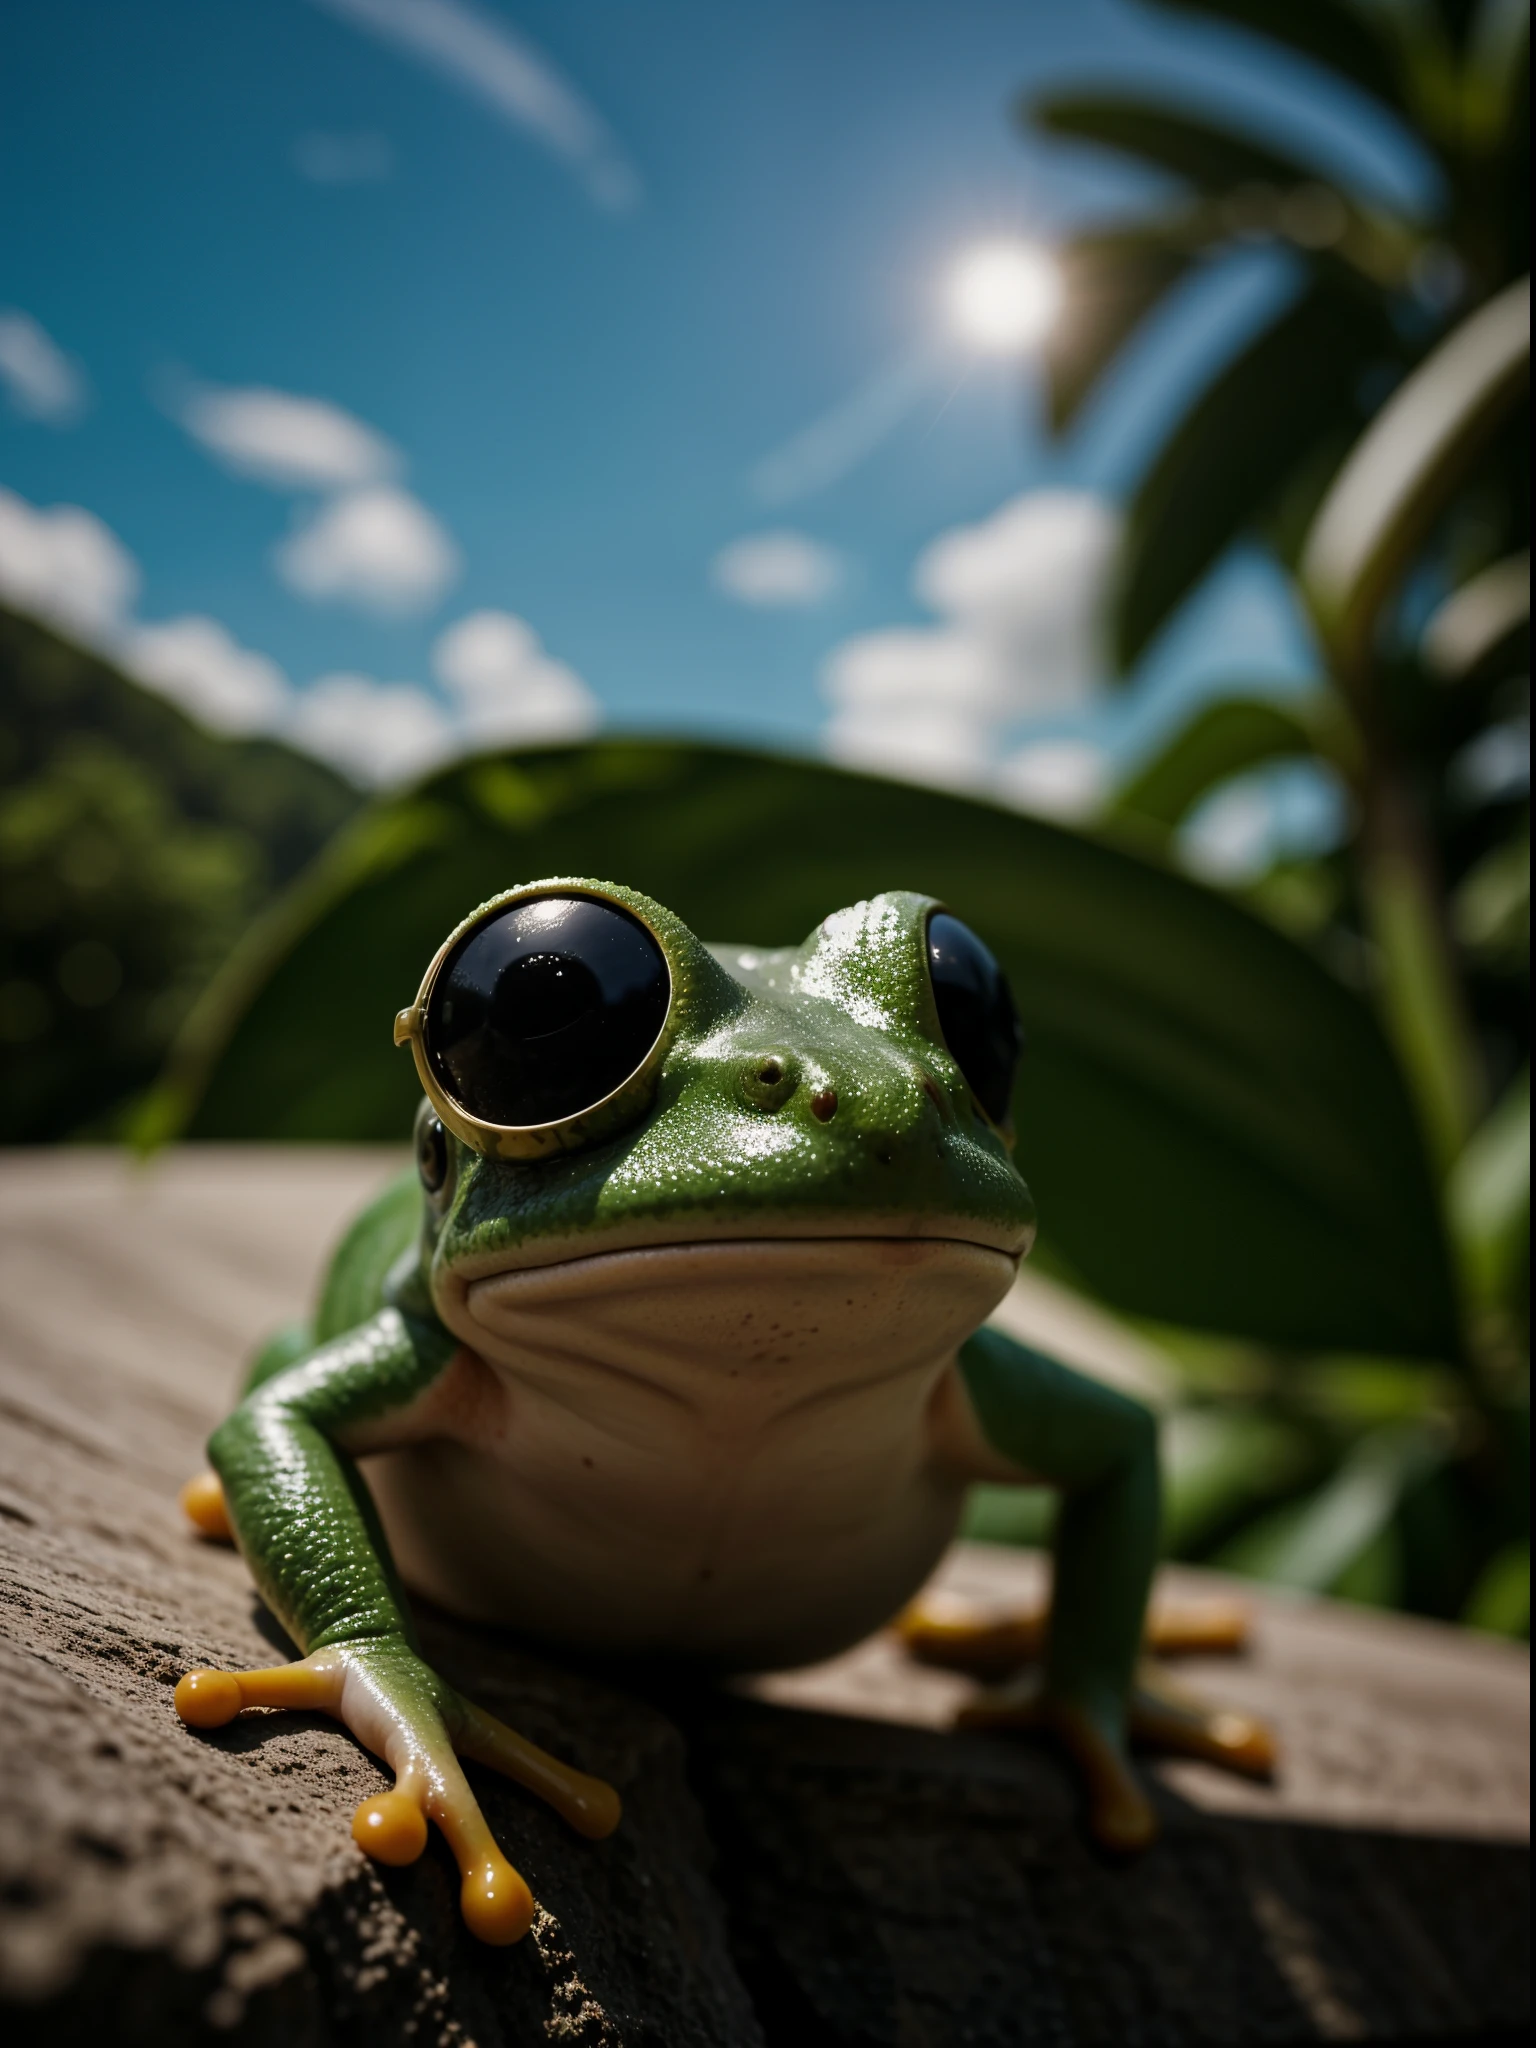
1030,582
488,59
777,571
197,664
1062,779
1021,597
377,733
378,548
1230,837
289,442
364,158
507,690
40,381
1295,809
66,566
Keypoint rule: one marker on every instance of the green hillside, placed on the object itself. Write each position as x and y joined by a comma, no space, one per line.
134,850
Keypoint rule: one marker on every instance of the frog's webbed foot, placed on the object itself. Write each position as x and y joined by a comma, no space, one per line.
1159,1715
401,1710
1120,1815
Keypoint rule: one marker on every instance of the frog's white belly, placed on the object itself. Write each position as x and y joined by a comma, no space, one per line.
716,1451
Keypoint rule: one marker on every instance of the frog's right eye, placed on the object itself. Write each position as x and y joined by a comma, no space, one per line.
542,1011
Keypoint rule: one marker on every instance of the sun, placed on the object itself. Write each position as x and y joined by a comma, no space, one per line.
1003,296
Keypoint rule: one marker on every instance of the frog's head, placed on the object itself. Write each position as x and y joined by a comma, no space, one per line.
614,1107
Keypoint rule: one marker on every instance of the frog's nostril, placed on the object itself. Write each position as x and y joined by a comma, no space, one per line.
769,1079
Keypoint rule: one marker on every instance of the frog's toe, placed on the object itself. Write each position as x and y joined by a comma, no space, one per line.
589,1805
391,1827
940,1629
208,1699
202,1502
1165,1717
493,1897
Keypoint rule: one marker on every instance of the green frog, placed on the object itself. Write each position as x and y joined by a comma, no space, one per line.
672,1345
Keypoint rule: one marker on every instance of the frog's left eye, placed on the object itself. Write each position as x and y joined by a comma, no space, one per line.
976,1011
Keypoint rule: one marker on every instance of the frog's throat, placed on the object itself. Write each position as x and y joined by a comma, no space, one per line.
793,1314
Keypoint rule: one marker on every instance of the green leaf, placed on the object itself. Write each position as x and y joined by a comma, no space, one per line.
1220,1464
1111,281
1312,1544
1213,1127
1351,40
1406,468
1501,1599
1219,741
1216,159
1497,78
1235,447
1489,1198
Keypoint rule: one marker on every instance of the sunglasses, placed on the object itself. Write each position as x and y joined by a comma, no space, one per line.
542,1021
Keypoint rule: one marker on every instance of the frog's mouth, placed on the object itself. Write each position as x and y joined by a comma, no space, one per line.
773,1308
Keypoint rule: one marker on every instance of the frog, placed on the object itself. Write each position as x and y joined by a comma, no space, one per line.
672,1344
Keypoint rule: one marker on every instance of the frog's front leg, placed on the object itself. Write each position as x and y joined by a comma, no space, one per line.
308,1528
1053,1425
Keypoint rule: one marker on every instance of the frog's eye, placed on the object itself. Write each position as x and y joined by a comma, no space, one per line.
976,1011
545,1008
432,1157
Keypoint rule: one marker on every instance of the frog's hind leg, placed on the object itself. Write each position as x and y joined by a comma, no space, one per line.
202,1498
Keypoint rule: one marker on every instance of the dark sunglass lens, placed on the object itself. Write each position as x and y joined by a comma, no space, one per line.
975,1005
545,1008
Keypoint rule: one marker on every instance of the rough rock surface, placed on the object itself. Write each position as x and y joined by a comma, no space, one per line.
814,1865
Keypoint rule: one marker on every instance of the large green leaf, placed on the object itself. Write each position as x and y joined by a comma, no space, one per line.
1218,741
1353,40
1213,1127
1293,387
1403,472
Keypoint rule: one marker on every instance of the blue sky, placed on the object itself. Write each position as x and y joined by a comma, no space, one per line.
578,303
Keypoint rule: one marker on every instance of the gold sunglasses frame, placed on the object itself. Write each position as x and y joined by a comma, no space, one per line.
567,1134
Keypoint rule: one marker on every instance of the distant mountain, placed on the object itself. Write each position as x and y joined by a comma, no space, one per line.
134,849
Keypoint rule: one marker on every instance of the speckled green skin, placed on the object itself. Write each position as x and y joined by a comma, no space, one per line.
717,1153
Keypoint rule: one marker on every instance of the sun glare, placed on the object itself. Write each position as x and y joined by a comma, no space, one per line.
1003,296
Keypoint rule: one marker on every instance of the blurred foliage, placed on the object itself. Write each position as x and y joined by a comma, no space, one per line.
1374,434
134,849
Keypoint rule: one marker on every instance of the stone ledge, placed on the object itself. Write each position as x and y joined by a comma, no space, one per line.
815,1864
